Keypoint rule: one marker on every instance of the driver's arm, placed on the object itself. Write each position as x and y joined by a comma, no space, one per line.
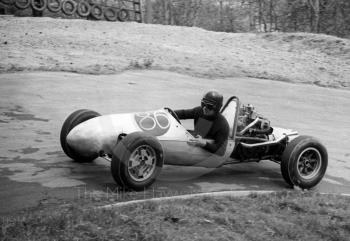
189,113
218,146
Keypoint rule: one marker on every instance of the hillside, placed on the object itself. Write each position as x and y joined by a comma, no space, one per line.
46,44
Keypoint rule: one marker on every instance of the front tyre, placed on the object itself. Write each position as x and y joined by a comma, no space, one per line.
137,161
304,162
73,120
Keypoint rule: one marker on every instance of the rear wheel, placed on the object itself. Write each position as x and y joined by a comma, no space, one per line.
304,162
137,161
73,120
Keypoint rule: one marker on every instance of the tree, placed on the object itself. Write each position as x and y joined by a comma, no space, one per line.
319,16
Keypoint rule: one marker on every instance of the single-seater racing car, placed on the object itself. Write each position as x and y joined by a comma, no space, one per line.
139,144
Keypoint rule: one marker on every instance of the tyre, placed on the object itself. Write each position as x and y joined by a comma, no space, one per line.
123,15
137,161
111,14
54,5
7,2
83,9
22,4
73,120
69,7
39,5
96,12
304,162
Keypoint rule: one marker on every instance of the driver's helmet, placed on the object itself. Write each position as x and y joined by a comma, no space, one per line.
213,100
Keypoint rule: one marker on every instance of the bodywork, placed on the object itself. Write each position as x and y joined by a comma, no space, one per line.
101,135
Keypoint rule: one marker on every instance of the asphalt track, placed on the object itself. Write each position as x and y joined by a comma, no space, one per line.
34,170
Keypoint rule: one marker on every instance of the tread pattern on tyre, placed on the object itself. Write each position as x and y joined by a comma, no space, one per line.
73,120
122,152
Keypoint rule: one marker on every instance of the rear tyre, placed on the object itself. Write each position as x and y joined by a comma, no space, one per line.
304,162
137,161
73,120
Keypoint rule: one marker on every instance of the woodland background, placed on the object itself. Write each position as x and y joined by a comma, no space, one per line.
317,16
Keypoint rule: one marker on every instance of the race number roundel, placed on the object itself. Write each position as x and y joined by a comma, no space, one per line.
155,123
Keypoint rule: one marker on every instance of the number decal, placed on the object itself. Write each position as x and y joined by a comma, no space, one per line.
155,123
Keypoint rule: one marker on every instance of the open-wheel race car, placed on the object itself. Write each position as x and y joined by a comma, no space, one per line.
139,144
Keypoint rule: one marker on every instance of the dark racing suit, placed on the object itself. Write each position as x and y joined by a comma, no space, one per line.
214,127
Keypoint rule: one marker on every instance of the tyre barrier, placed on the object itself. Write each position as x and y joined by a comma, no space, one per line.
39,5
69,7
22,4
83,9
123,15
96,12
54,5
111,14
7,2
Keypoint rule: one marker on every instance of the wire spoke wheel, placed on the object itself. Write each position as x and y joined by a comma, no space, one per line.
309,163
142,163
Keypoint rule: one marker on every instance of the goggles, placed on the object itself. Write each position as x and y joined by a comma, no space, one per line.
208,106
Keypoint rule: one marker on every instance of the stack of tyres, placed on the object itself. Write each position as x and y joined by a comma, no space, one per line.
82,8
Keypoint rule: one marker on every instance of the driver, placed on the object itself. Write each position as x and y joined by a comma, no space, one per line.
209,123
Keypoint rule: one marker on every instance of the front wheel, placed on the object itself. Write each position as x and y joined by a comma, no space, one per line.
73,120
304,162
137,161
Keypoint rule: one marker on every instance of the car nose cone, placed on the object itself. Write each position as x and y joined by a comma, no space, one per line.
82,139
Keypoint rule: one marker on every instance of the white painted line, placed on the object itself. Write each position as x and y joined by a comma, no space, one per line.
189,196
338,194
210,194
333,181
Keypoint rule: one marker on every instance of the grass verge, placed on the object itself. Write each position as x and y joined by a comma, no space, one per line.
277,216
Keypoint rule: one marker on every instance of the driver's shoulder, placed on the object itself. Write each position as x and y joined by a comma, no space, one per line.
222,119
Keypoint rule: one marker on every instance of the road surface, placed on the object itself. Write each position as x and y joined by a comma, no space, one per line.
34,170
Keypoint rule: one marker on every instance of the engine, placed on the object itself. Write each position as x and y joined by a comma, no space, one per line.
250,123
251,128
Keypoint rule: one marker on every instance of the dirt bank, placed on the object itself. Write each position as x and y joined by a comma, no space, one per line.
46,44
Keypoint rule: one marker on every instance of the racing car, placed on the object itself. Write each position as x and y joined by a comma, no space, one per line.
139,144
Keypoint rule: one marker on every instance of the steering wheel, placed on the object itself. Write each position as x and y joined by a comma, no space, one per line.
173,114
